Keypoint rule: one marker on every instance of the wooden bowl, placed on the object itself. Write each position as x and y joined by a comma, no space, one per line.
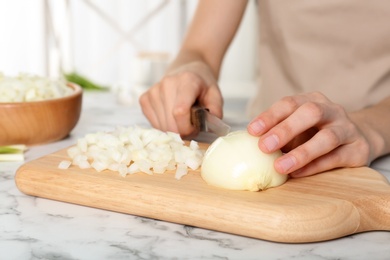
39,122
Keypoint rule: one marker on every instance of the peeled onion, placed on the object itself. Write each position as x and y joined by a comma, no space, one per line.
235,162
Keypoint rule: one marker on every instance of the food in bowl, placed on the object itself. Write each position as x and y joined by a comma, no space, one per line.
27,88
36,110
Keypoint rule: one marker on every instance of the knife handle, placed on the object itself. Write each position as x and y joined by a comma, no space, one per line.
198,117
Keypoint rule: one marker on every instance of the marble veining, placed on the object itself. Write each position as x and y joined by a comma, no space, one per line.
36,228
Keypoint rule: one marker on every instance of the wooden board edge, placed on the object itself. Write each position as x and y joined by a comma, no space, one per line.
336,225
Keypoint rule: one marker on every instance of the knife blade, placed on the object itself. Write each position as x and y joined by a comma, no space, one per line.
204,121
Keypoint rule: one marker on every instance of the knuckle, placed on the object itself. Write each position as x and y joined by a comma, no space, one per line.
314,109
302,155
147,98
331,137
166,81
188,77
318,96
339,109
290,102
283,130
181,79
351,128
179,111
363,154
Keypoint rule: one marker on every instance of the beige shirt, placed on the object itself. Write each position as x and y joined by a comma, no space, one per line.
338,47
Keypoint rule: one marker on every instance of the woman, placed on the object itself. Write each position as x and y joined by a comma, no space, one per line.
325,69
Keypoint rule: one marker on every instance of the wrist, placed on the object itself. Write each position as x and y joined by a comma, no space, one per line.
373,138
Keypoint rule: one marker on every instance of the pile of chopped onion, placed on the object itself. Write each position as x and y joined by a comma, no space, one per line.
25,88
128,150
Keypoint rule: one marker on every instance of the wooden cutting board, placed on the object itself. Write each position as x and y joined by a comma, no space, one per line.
317,208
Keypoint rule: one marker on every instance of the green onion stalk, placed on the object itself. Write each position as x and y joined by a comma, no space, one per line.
12,153
84,82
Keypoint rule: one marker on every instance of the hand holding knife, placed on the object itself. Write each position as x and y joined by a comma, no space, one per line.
204,121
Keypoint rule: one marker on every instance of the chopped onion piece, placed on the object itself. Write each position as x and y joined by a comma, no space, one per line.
65,164
181,171
84,164
79,158
82,145
122,169
99,166
133,168
114,167
194,145
159,168
193,163
73,151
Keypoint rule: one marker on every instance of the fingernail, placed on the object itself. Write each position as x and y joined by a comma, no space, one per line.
286,163
271,142
257,126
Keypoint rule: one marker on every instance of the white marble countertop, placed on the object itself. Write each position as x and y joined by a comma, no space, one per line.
36,228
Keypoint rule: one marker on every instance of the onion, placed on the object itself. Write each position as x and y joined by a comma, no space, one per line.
135,149
65,164
235,162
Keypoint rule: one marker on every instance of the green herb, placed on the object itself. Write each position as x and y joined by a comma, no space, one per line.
83,82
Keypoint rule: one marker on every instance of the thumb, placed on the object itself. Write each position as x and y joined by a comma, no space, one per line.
213,100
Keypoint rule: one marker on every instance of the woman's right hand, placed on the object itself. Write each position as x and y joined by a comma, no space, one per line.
167,104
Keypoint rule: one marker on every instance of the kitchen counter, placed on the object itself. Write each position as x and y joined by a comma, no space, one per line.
36,228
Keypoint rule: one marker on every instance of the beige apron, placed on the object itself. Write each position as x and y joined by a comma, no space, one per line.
338,47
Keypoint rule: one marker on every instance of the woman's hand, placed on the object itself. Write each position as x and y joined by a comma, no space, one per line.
167,104
315,134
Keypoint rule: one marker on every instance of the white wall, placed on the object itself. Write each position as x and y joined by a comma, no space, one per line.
97,50
21,36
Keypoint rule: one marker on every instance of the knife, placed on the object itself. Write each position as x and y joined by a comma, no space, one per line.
204,121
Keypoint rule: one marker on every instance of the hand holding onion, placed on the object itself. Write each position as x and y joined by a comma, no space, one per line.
317,135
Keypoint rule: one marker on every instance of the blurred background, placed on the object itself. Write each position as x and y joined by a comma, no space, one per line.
122,44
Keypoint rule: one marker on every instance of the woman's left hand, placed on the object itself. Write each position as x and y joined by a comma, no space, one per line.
315,134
